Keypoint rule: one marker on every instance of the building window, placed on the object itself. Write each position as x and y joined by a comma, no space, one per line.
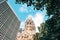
27,22
30,23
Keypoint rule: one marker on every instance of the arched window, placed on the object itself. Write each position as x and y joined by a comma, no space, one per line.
30,23
27,22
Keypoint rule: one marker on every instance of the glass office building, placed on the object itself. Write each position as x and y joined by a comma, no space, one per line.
9,23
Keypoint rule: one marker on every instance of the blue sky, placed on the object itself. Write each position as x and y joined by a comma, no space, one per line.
23,12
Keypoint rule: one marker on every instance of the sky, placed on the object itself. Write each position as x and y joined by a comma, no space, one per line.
23,12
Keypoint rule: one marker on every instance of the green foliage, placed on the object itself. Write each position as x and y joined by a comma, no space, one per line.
51,28
52,6
42,32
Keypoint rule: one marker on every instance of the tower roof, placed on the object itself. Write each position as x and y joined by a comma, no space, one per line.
29,24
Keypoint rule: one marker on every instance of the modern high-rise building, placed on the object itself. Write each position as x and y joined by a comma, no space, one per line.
9,22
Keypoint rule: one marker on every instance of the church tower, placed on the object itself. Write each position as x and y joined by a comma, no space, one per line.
29,30
29,25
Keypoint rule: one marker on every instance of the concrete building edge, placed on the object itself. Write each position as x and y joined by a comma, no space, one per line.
13,10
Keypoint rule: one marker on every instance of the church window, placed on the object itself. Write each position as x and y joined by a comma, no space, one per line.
27,22
30,23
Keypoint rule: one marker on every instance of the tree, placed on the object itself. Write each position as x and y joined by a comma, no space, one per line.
41,35
53,23
52,6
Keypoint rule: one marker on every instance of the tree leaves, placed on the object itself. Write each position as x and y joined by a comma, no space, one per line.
52,25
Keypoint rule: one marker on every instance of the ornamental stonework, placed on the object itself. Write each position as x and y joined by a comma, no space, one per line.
29,31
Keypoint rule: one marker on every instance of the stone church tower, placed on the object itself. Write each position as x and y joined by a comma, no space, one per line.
29,25
29,31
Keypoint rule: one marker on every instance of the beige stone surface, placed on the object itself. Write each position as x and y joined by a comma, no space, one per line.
29,31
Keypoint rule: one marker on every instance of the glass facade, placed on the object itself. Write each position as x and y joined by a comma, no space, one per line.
9,23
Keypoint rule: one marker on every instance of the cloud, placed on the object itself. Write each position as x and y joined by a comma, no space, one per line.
22,25
38,19
23,8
